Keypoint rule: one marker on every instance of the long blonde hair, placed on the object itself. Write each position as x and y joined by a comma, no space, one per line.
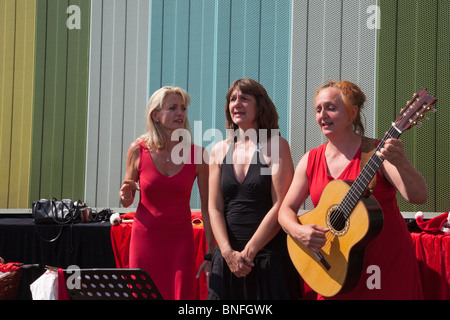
153,136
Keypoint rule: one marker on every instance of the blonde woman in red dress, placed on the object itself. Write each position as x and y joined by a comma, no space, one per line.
163,168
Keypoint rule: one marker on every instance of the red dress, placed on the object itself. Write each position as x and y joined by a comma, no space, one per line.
392,251
162,241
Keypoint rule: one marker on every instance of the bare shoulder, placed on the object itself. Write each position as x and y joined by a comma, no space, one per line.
302,164
134,146
277,145
219,151
201,159
133,151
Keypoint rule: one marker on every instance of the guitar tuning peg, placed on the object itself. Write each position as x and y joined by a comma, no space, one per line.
419,124
433,110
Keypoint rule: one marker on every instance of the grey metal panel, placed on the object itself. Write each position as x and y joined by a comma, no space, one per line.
111,100
330,40
359,55
118,93
93,103
299,76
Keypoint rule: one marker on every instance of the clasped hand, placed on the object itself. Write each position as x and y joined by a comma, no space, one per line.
239,263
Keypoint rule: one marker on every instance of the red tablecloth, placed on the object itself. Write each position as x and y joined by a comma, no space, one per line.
433,254
120,240
432,251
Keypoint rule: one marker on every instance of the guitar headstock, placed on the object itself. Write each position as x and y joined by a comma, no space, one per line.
415,110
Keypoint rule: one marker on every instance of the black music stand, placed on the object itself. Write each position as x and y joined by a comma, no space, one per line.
110,284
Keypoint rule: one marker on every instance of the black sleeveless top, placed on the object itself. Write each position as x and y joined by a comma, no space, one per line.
246,205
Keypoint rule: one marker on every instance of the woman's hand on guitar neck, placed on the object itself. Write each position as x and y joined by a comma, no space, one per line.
312,236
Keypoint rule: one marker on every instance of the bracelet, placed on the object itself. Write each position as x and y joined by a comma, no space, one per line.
208,257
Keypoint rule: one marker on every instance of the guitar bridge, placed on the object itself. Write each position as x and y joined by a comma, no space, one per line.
322,260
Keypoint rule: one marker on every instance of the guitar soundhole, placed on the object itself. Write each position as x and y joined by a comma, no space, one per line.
336,221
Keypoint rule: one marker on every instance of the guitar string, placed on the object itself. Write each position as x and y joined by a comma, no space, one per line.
351,199
361,182
358,187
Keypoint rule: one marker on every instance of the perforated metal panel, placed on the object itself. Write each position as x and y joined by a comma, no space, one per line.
110,284
413,53
442,118
330,41
17,25
212,44
117,94
60,102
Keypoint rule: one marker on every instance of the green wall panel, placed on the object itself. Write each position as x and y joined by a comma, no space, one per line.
17,30
60,101
413,53
442,117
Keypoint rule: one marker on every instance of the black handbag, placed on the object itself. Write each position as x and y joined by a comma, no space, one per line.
53,211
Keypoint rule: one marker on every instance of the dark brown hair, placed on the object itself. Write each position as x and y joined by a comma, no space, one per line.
266,112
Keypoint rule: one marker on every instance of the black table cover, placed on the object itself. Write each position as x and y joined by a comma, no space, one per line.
86,245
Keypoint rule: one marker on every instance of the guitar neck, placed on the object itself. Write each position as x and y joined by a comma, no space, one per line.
367,173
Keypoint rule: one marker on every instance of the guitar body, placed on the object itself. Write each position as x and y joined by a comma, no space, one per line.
345,246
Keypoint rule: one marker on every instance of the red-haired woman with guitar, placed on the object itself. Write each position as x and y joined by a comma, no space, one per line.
346,249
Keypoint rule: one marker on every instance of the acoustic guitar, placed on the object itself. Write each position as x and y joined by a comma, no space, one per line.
352,215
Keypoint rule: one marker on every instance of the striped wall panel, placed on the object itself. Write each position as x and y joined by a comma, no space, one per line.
213,43
413,52
330,41
60,102
117,94
203,46
17,29
73,100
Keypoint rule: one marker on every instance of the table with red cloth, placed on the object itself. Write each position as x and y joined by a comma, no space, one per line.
432,251
120,240
433,255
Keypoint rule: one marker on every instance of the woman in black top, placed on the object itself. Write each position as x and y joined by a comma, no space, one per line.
250,173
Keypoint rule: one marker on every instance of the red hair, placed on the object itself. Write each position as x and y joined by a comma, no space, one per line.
352,96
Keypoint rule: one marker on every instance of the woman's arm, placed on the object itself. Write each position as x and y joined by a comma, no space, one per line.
282,173
237,264
312,236
130,181
202,181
